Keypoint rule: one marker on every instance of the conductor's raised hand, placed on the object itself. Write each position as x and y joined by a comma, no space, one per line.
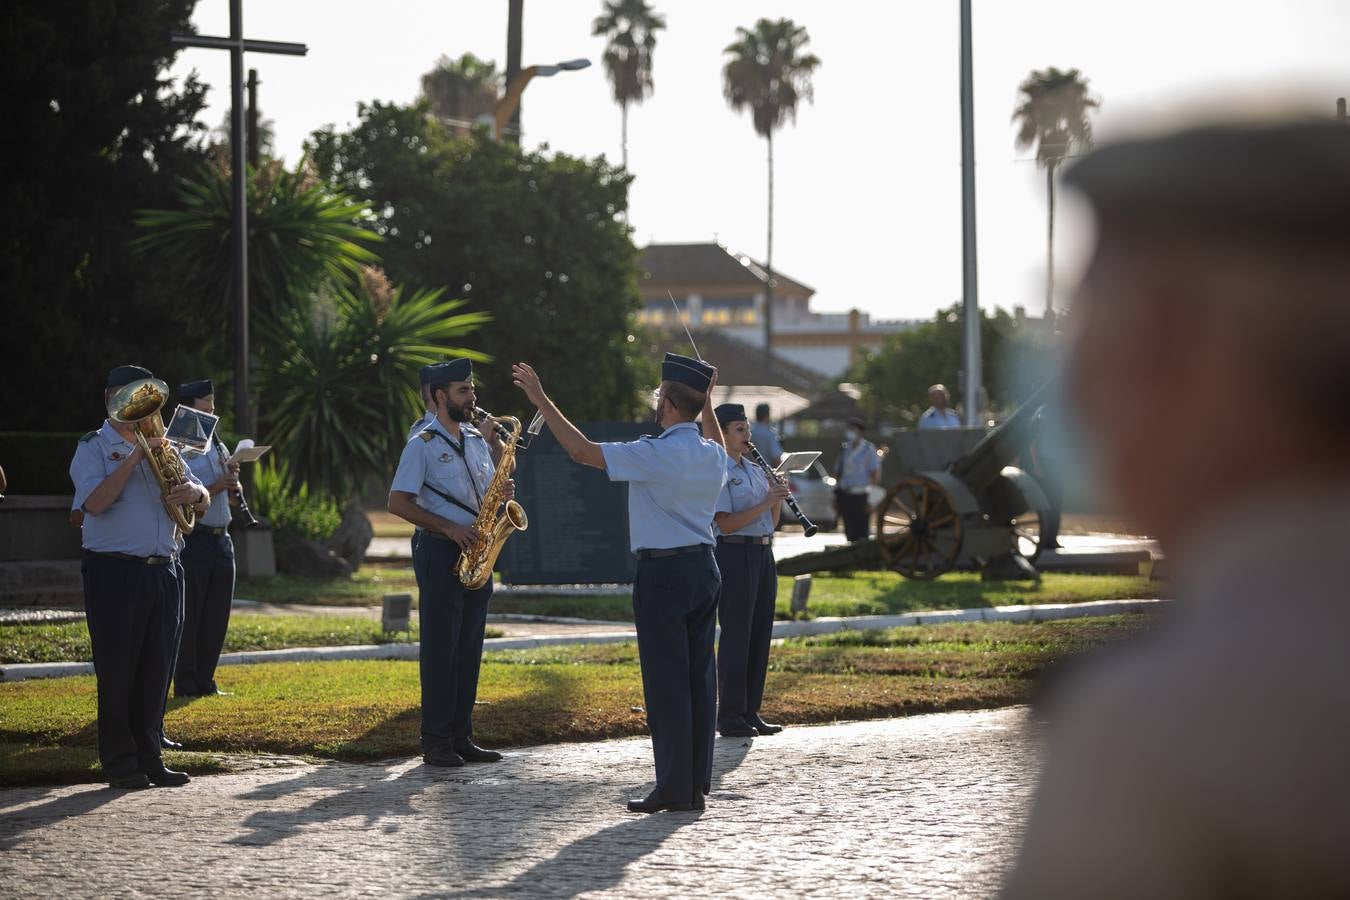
527,380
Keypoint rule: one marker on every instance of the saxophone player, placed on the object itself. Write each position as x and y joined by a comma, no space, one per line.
132,591
444,472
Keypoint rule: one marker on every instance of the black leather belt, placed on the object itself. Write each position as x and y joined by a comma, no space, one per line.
127,557
765,540
435,535
673,551
217,530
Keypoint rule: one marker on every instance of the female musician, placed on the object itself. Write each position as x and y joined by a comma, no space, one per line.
746,515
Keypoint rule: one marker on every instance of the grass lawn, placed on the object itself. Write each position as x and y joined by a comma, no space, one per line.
69,641
365,588
369,709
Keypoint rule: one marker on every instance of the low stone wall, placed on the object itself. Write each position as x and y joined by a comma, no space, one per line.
37,527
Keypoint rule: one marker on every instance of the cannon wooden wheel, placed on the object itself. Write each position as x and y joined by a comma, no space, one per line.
1028,534
918,529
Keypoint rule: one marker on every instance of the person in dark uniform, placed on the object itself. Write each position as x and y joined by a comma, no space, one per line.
132,593
208,561
746,516
442,475
425,375
673,483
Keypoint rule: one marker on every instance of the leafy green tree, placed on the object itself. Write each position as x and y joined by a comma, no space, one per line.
339,383
895,379
769,72
302,234
93,130
530,237
458,91
630,26
1052,113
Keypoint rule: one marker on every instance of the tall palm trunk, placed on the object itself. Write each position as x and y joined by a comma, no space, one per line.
768,285
623,108
1050,242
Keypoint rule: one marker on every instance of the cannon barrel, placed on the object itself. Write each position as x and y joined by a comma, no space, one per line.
980,466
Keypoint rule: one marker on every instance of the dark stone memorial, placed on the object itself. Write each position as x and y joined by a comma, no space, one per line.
578,530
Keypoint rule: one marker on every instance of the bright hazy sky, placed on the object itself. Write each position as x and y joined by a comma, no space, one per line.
868,203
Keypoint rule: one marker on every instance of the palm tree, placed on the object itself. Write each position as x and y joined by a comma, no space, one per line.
769,73
631,27
458,91
1052,113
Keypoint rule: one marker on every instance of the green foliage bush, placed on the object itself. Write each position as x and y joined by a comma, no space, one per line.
296,511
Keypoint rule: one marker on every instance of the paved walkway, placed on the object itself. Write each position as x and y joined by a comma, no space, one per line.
928,806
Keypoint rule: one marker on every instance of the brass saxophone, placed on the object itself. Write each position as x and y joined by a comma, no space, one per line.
497,516
139,404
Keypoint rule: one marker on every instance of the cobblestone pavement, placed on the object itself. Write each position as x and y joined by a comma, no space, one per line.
927,806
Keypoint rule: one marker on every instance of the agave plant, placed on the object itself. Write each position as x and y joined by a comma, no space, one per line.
339,390
302,233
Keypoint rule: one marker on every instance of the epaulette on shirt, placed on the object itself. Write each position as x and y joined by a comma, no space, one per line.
89,436
426,434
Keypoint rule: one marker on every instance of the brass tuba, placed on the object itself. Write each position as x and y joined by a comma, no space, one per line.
139,404
497,517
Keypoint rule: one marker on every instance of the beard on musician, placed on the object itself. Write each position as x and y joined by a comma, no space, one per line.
457,402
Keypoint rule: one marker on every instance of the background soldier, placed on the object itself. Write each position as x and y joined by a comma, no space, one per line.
765,437
132,593
747,514
424,376
208,561
442,475
858,468
673,483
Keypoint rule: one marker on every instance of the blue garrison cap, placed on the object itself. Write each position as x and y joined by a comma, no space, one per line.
196,390
428,373
124,375
728,413
695,373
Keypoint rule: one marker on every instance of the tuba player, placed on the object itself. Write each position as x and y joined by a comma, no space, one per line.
132,591
442,476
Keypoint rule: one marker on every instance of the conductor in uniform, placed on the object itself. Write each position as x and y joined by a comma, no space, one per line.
131,591
208,561
747,514
674,480
442,476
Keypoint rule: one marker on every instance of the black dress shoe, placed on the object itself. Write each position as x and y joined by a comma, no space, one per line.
653,803
761,726
474,753
167,744
737,729
443,757
129,782
163,777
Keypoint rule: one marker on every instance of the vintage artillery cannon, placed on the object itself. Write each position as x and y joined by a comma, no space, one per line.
979,510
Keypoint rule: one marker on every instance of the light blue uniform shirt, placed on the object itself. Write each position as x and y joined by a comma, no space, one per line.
208,470
136,522
429,459
766,441
427,418
673,483
934,418
856,464
746,486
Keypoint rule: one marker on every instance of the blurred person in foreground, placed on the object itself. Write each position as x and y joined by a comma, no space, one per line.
1208,759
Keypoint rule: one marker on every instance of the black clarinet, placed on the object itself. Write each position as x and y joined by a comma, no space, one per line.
237,492
808,526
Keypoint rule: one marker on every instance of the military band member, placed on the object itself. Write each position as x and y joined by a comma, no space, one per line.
858,468
747,514
424,376
208,561
442,475
673,483
131,592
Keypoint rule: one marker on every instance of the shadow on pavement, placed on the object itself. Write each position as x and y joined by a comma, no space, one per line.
14,825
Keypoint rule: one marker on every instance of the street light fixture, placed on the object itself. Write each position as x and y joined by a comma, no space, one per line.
501,113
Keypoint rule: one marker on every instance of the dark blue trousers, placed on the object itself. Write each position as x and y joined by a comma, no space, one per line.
745,612
452,621
675,609
132,610
208,561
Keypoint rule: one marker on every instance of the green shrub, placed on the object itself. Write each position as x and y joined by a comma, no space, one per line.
299,512
38,462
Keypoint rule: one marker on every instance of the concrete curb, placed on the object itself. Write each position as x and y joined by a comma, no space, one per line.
1042,613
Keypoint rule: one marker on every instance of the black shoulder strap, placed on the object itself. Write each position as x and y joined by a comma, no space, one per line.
448,499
